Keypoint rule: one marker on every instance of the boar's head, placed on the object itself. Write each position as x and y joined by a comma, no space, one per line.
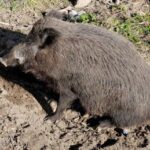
17,55
26,51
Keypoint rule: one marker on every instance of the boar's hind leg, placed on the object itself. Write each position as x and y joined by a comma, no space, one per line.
125,118
65,100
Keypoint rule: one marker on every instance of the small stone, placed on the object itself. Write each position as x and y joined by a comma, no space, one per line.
126,132
72,13
117,2
76,119
84,124
86,116
99,129
61,124
81,12
69,114
3,92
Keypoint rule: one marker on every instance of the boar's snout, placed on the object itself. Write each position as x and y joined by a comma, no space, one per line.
15,57
3,62
9,62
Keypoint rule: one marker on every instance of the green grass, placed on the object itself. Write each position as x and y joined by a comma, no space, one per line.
134,28
87,18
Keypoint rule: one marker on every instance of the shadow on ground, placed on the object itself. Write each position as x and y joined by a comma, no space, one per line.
9,39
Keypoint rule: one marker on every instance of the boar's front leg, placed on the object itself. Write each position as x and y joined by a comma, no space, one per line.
66,98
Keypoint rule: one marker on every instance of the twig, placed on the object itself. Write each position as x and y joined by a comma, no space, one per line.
5,23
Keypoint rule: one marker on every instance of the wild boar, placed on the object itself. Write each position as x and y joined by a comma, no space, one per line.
99,67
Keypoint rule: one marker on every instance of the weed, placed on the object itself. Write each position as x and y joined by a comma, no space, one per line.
119,8
87,18
134,28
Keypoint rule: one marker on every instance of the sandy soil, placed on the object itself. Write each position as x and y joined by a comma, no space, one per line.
22,105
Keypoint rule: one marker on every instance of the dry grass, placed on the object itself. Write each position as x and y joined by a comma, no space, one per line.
15,5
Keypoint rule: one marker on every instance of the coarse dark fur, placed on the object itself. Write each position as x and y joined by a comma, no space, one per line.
99,67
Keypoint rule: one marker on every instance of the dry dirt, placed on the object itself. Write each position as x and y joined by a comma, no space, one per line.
22,106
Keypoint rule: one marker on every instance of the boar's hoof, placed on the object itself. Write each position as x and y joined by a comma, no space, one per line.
54,117
123,131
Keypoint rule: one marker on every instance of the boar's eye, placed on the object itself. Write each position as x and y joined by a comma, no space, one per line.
48,36
13,63
16,61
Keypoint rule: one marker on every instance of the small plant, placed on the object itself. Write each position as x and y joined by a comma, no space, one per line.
146,30
87,18
1,4
14,5
119,8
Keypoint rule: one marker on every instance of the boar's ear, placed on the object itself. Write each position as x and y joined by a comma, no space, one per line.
48,36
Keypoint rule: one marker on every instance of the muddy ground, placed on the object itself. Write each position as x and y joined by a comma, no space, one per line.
23,102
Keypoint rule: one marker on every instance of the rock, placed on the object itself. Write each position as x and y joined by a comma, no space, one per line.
3,92
72,13
74,16
69,114
65,10
61,124
117,2
82,3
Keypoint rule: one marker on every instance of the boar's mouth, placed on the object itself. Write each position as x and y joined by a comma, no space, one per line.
8,63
